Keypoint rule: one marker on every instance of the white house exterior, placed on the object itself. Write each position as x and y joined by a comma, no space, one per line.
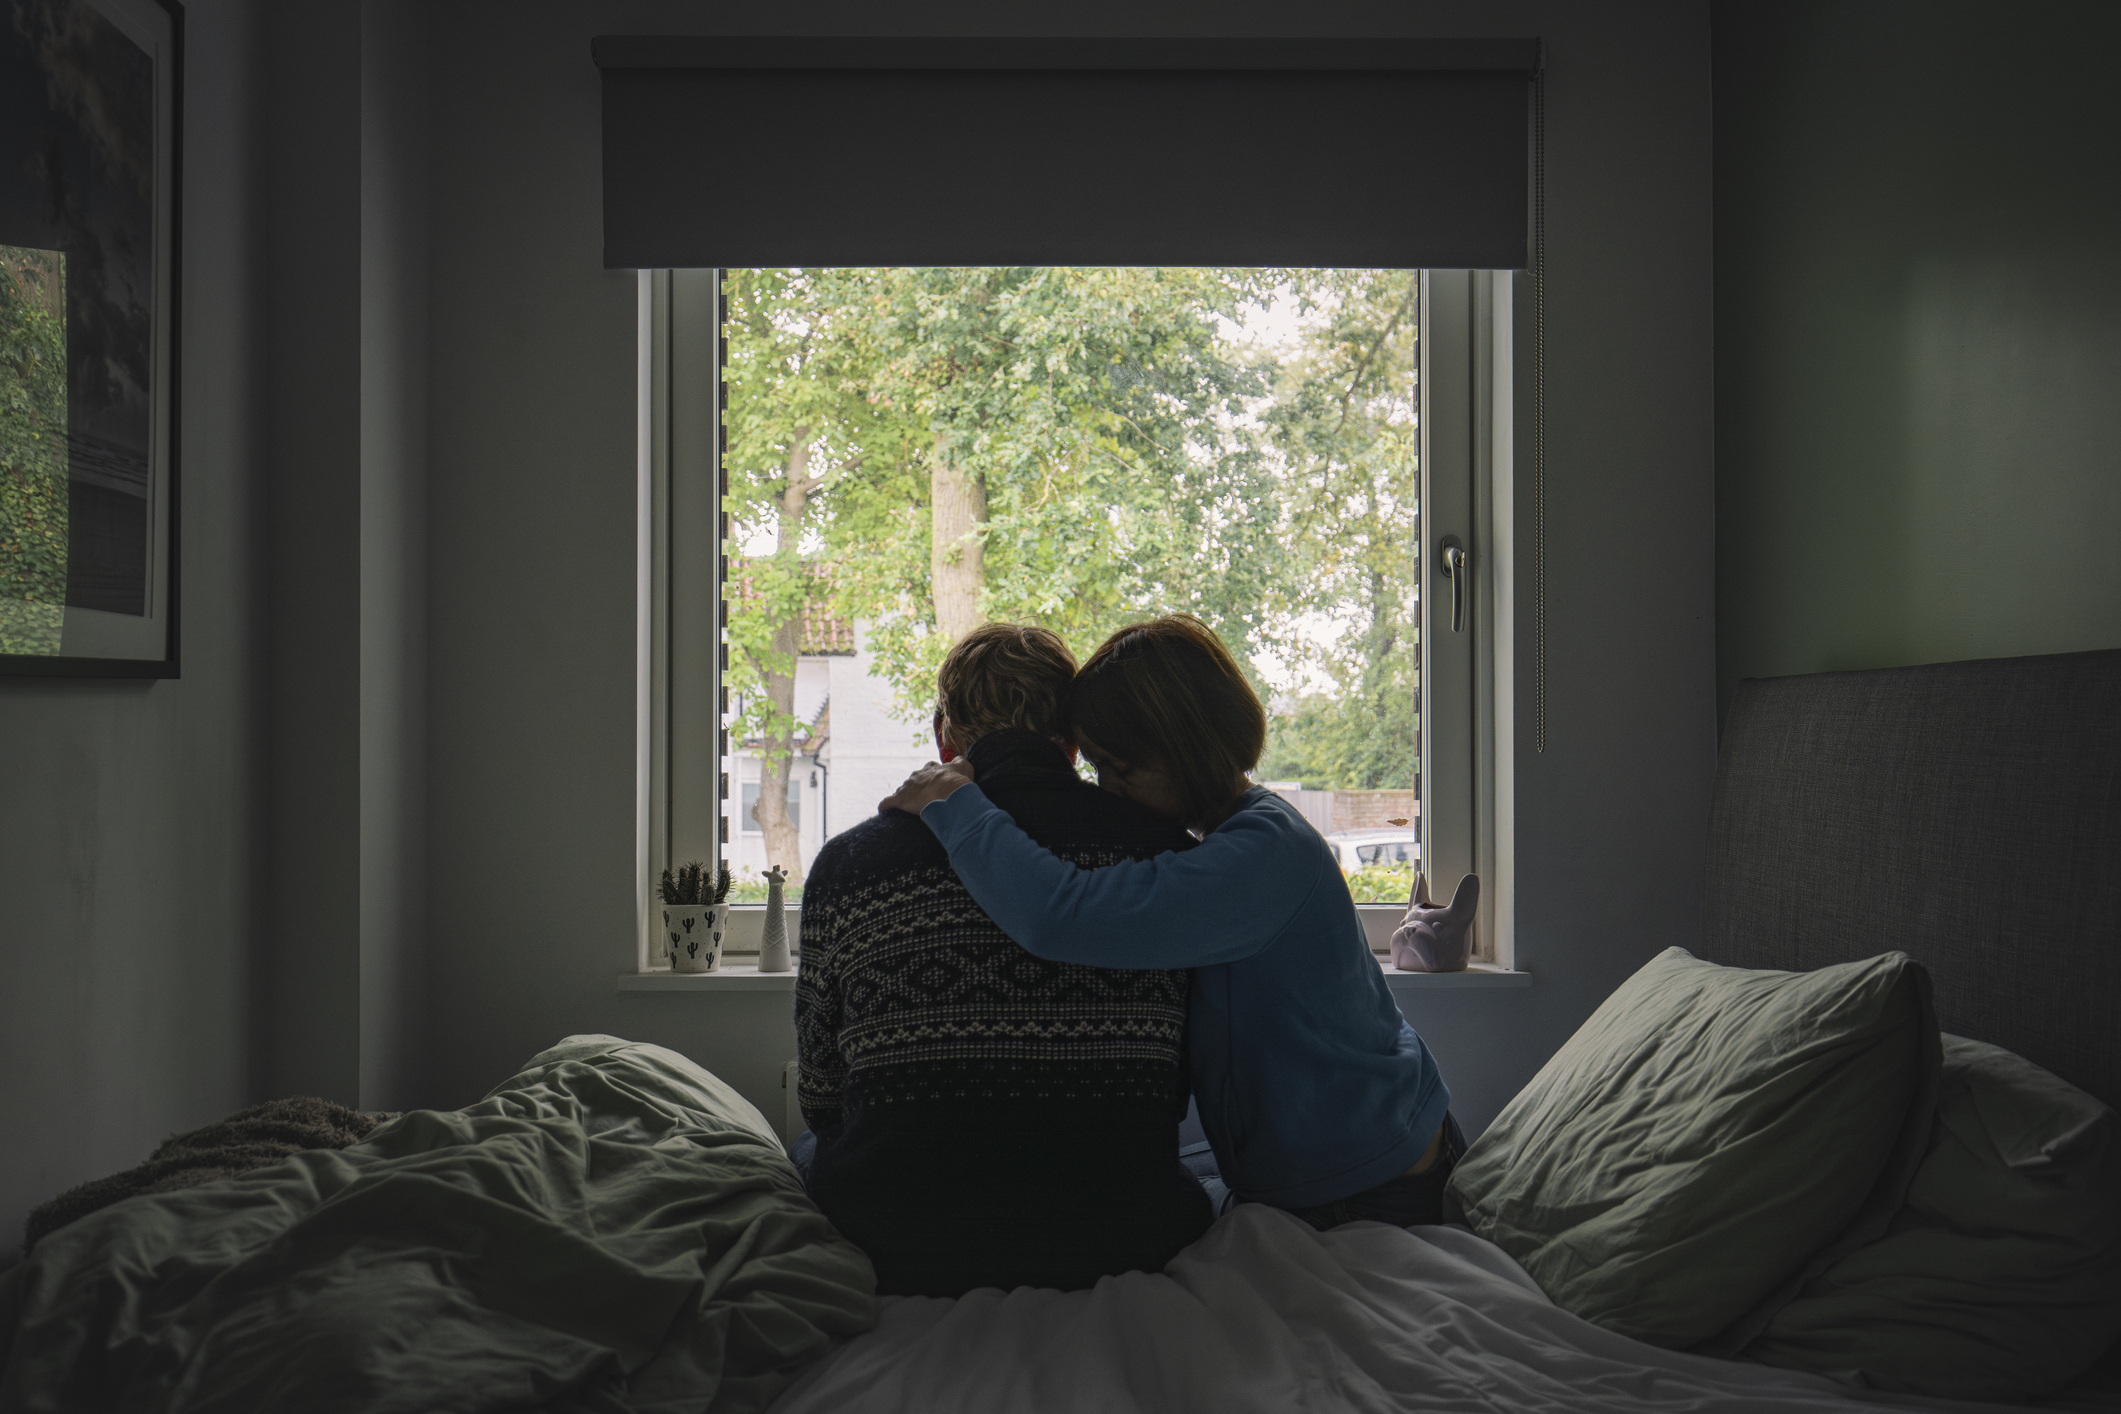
858,752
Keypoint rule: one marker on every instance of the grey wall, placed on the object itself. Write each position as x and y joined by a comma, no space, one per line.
532,527
309,1018
1918,339
1918,335
131,821
343,1010
451,383
395,134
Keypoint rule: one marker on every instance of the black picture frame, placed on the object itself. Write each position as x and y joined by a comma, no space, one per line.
68,190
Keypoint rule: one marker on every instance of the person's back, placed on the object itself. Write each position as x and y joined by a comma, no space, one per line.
983,1117
1287,1005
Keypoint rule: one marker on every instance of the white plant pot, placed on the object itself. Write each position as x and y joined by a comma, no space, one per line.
694,932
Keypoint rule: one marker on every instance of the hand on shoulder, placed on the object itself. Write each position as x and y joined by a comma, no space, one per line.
934,781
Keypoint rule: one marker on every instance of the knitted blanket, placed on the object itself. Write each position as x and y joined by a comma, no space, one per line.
249,1139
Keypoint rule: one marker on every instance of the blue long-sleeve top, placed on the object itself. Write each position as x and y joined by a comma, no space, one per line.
1311,1085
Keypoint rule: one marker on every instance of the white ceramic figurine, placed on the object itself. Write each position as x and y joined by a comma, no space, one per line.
773,941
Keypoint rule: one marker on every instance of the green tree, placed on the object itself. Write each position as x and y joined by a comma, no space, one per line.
1343,418
1085,462
33,460
928,449
804,433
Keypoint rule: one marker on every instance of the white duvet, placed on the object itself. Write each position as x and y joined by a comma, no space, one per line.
1265,1314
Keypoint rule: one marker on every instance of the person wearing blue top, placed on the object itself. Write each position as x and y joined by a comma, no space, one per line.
1315,1093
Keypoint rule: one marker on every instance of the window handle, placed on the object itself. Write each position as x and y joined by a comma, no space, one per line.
1453,555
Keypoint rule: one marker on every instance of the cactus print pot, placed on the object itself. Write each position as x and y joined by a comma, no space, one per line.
694,934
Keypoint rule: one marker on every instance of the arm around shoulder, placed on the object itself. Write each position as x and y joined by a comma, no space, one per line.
1221,901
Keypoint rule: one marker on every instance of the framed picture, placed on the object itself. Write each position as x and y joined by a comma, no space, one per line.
89,149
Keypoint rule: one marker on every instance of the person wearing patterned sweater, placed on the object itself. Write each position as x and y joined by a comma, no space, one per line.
982,1117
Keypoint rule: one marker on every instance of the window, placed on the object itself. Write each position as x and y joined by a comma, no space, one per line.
845,468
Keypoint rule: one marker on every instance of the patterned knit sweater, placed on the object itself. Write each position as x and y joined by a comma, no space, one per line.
985,1117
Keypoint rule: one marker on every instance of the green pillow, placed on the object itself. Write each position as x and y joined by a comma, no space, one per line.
2001,1278
1710,1139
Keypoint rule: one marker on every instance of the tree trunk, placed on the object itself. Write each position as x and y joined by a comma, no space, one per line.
957,564
784,843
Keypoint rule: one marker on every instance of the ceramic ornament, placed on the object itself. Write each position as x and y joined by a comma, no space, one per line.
1433,938
773,941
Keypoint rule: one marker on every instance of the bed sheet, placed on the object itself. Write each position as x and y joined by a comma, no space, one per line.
1265,1314
611,1229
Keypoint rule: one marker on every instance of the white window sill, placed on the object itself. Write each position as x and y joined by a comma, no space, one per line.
737,975
743,975
1479,974
1381,920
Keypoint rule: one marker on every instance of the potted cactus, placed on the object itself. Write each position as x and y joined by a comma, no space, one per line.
696,916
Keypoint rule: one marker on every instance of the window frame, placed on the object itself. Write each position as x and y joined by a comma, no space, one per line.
1468,422
1467,415
681,788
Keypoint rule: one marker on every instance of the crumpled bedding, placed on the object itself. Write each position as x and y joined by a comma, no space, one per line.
1264,1315
610,1229
250,1139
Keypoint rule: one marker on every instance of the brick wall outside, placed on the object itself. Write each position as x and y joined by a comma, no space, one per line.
1330,810
1371,809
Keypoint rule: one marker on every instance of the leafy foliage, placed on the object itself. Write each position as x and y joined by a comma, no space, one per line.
1118,445
1344,422
33,460
752,887
1095,410
1382,883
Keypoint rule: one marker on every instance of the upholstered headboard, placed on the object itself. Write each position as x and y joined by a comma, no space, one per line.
1967,813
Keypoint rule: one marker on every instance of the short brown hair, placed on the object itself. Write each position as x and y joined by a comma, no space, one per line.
1168,694
1006,675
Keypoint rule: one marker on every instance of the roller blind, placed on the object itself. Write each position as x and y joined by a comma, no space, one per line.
747,151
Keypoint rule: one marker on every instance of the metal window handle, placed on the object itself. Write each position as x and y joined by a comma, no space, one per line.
1453,555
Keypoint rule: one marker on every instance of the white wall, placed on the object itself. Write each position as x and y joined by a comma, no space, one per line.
746,851
868,754
873,748
131,813
533,537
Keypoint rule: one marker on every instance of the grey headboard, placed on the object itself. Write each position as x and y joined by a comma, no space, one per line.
1967,813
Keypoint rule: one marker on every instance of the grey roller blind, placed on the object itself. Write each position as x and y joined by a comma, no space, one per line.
744,151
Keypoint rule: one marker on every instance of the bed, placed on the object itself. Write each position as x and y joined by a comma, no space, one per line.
1964,813
611,1228
1968,814
1264,1314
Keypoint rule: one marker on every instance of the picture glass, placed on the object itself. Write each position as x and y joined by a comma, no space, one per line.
85,257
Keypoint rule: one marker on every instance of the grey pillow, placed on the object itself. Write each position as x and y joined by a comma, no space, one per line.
2001,1277
1708,1141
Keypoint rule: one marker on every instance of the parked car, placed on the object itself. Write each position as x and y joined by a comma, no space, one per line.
1357,849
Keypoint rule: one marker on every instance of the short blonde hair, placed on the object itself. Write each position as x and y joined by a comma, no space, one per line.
1006,675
